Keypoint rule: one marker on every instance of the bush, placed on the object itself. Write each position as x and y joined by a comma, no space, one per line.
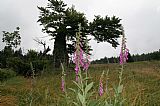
23,67
18,65
6,74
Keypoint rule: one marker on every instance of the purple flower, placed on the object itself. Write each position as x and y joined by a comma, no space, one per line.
124,51
62,84
81,59
78,60
121,57
86,63
76,77
79,55
100,88
124,56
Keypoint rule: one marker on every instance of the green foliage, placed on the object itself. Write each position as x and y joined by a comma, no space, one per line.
140,87
82,94
6,53
155,55
32,55
106,29
61,22
12,39
18,53
52,19
23,68
18,65
39,65
21,63
6,74
106,60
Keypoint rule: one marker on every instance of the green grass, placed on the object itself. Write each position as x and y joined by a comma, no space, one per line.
141,82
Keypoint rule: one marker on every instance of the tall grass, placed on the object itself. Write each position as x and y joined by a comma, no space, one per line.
141,85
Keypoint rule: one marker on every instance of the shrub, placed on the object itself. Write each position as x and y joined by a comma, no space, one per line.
22,67
18,65
6,74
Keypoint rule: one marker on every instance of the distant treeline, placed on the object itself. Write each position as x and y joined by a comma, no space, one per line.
131,58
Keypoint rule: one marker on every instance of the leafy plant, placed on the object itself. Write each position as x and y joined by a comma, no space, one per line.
12,39
6,74
83,91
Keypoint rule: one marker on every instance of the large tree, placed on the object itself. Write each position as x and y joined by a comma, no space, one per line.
12,40
61,23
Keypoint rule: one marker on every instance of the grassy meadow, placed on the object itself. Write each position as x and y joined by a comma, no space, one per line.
141,81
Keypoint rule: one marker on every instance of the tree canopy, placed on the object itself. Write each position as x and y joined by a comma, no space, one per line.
61,22
106,29
12,39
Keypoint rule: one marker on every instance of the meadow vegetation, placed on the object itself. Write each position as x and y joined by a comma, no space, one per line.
141,82
36,78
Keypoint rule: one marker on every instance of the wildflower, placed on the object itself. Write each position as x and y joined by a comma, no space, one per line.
81,59
86,63
87,55
121,57
100,87
124,51
79,55
78,58
63,84
63,79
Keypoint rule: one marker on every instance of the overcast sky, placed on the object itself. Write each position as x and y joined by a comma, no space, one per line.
140,18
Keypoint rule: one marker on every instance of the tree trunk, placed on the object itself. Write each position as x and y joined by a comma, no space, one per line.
60,51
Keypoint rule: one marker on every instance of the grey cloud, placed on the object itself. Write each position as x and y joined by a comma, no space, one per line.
141,20
24,14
